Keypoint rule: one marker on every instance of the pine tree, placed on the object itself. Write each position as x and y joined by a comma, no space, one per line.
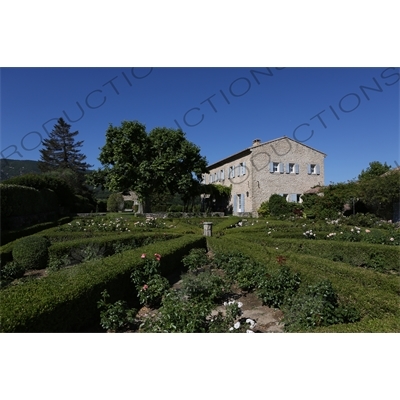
60,151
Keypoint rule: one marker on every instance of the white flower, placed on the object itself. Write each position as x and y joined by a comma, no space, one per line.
225,303
237,325
249,331
240,304
231,328
391,239
276,248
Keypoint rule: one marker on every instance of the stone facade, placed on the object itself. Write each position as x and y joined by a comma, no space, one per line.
280,166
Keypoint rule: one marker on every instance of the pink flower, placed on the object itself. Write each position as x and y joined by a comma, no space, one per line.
392,239
367,231
157,256
143,255
145,287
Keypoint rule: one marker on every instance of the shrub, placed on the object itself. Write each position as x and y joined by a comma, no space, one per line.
11,271
115,202
116,316
151,293
31,252
317,306
278,288
264,211
278,205
195,259
205,285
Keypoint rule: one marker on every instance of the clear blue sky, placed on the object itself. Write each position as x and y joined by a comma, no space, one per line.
365,127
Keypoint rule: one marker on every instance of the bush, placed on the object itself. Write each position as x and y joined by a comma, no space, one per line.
205,285
64,192
197,258
151,293
115,202
11,271
31,252
278,288
317,306
279,206
264,211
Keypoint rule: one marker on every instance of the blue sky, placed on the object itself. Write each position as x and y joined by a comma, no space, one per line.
220,109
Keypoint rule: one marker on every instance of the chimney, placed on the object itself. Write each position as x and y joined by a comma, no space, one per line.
256,142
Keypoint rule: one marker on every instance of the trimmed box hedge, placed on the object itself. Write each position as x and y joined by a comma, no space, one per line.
7,237
374,294
66,301
382,258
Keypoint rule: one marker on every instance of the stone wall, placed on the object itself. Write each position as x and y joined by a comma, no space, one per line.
257,183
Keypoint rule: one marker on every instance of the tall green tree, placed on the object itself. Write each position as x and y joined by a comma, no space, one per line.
149,163
60,151
375,169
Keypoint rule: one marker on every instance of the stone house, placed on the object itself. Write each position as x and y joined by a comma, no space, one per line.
280,166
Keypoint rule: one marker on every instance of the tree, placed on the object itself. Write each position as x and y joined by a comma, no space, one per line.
375,169
61,151
382,193
149,163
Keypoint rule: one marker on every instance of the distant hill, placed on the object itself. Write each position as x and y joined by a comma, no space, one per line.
11,168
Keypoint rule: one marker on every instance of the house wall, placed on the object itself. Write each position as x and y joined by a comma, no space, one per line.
284,152
258,183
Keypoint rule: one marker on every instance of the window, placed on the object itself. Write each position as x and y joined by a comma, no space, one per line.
291,168
313,169
231,172
211,178
275,167
242,168
222,175
239,200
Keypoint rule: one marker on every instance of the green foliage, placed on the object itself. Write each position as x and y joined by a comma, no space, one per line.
64,192
264,210
317,306
115,202
278,288
374,170
178,314
158,162
66,301
9,236
278,205
151,293
60,151
9,272
31,252
204,285
197,258
115,317
381,193
240,269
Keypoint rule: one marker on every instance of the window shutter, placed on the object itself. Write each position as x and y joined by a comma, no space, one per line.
234,203
308,169
293,197
233,171
281,167
287,168
296,168
222,174
219,175
243,202
317,169
244,168
271,167
239,170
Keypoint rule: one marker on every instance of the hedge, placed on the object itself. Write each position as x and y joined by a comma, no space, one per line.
10,236
374,294
22,200
66,301
379,257
58,250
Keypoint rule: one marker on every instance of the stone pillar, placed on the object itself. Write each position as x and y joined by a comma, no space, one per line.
207,228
